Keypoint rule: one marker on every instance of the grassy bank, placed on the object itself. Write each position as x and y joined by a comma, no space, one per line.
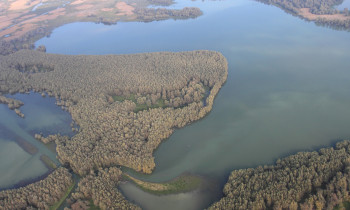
183,183
48,162
139,107
59,203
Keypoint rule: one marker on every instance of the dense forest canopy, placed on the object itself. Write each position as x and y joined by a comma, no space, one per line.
169,88
124,105
307,180
39,195
323,12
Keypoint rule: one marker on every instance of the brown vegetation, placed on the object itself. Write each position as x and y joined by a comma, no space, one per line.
11,103
20,26
320,11
114,132
307,180
51,138
39,195
101,188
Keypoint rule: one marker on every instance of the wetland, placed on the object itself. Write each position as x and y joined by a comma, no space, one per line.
286,91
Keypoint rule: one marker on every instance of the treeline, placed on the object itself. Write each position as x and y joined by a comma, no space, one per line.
40,29
194,91
334,24
51,138
39,195
307,180
316,6
151,14
11,103
26,41
161,2
101,188
111,132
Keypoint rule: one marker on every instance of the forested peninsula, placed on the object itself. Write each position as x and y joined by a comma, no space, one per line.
322,12
307,180
124,106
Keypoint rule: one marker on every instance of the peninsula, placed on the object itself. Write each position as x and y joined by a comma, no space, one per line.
124,105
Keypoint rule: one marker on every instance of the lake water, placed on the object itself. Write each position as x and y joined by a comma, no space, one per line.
287,90
41,116
345,4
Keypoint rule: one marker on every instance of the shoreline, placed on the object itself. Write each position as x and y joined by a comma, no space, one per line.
180,184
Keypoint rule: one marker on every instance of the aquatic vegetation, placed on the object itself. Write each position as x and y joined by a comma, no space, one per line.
100,187
307,180
322,12
41,194
124,105
183,183
117,132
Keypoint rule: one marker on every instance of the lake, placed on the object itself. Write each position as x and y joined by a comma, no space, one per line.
345,4
41,116
287,89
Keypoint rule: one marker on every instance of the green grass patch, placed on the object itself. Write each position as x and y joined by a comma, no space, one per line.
92,206
139,107
345,205
59,203
183,183
48,162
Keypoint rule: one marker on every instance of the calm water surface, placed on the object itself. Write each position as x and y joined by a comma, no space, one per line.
345,4
287,90
41,116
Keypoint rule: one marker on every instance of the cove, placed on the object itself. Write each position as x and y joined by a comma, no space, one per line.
17,166
287,90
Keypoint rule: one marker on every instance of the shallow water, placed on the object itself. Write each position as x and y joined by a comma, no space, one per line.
345,4
287,89
41,116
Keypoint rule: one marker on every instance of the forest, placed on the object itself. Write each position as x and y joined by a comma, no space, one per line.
322,12
306,180
100,188
123,105
39,195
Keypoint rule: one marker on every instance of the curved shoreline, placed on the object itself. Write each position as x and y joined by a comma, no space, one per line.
180,184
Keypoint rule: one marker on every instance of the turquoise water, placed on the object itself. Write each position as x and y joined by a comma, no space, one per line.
41,116
287,89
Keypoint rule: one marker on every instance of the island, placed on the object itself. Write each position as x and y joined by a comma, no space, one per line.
124,106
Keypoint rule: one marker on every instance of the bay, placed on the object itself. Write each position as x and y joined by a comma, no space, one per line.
41,116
